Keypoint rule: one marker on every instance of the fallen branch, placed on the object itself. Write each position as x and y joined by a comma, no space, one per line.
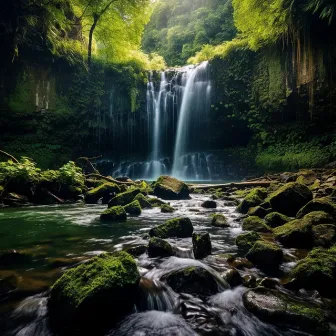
9,156
239,185
87,160
53,196
108,179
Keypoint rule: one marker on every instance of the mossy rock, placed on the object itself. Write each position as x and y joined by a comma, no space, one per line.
265,254
324,235
201,244
245,241
275,219
124,198
158,247
114,214
104,191
258,211
137,251
94,296
290,198
317,271
177,227
318,204
254,223
276,307
166,208
298,233
209,204
144,201
219,220
133,208
253,198
156,202
170,188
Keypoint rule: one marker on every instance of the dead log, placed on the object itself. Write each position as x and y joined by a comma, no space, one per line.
238,185
108,179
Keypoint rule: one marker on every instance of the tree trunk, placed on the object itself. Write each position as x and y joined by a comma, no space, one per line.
93,27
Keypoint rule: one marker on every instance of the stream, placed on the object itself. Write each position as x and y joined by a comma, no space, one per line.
57,237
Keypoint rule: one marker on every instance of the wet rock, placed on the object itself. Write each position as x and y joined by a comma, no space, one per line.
275,219
201,244
232,277
249,281
317,271
209,204
177,227
265,254
124,198
15,200
170,188
324,235
290,198
158,247
271,283
307,177
13,258
137,251
105,192
114,214
144,201
276,307
254,197
192,280
166,208
240,263
298,233
258,211
318,204
246,241
94,296
256,224
9,281
133,208
219,220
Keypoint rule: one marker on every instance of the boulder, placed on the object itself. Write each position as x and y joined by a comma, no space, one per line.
133,208
158,247
290,198
170,188
155,202
94,296
324,235
258,211
318,204
269,283
246,241
307,177
219,220
124,198
253,198
232,277
275,219
249,281
177,227
265,254
166,208
192,280
256,224
137,251
114,214
201,244
144,201
105,191
209,204
317,271
276,307
298,233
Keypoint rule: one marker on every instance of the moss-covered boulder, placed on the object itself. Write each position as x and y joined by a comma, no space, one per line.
317,271
246,241
136,251
192,280
166,208
253,198
298,233
94,296
232,277
144,201
209,204
105,192
318,204
258,211
201,244
158,247
124,198
290,198
156,202
219,220
265,254
176,227
324,235
276,307
254,223
275,219
134,208
170,188
114,214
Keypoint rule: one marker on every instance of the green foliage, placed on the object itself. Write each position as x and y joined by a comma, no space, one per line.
70,174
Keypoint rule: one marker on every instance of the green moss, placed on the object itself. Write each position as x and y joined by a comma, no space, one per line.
275,219
124,198
254,223
318,204
158,247
246,241
177,227
219,220
116,213
265,254
168,187
144,201
253,198
102,189
166,208
133,208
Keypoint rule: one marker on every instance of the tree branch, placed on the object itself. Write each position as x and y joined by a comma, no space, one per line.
9,156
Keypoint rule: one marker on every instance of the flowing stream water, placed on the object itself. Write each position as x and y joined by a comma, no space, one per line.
56,237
